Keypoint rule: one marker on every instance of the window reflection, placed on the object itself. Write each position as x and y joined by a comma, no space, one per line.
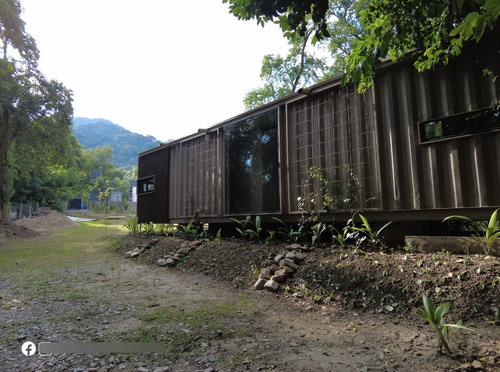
252,184
460,125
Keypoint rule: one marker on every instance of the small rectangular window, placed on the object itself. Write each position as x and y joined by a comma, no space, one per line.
146,185
469,123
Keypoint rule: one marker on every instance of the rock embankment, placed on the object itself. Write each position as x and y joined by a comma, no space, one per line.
281,267
275,272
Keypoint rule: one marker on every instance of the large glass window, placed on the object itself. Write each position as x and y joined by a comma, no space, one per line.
252,176
461,125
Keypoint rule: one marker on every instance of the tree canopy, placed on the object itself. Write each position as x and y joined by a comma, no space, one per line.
430,31
35,113
284,75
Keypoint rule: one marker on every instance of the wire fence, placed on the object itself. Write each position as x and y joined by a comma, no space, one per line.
22,210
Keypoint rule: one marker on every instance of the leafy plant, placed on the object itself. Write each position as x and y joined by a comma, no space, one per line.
189,231
148,229
342,237
133,226
317,230
485,232
272,236
288,233
368,234
329,195
218,236
435,317
245,229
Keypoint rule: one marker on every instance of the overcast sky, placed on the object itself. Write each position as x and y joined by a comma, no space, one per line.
158,67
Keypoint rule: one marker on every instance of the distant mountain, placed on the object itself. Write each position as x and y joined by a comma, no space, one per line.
126,145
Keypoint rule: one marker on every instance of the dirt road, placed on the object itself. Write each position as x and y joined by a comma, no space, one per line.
94,295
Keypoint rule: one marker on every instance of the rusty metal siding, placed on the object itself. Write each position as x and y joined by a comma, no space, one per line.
451,173
195,177
333,130
373,137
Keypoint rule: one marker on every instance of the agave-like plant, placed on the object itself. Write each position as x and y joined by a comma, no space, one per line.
373,236
435,317
489,232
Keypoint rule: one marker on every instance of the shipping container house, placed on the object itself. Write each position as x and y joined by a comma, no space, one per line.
414,147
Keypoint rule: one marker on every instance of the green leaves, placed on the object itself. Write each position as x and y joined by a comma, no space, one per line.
370,234
475,22
246,230
493,229
489,232
435,317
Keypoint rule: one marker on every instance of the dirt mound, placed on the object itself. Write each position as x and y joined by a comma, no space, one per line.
9,230
389,282
46,218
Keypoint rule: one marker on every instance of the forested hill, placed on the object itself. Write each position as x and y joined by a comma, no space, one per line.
126,145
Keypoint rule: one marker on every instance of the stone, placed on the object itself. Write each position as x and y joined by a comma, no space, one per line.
162,369
453,244
274,268
259,284
154,241
283,272
266,272
278,278
170,262
271,285
265,276
289,270
128,254
477,365
135,254
162,262
142,369
195,244
279,257
183,251
289,263
296,257
292,247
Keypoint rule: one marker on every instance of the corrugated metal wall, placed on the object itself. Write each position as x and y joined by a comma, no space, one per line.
450,173
334,131
194,177
366,145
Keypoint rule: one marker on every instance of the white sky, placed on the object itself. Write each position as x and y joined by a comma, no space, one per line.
159,67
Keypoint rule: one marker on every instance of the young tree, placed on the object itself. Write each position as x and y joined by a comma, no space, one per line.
300,68
284,75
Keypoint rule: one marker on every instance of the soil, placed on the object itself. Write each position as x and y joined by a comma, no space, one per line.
343,310
45,218
10,230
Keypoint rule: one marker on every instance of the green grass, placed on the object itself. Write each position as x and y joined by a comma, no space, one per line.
38,264
60,248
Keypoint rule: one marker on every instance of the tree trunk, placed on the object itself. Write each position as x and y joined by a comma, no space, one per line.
4,151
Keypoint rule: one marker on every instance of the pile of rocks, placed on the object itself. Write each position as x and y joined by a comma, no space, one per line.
171,258
283,266
141,248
